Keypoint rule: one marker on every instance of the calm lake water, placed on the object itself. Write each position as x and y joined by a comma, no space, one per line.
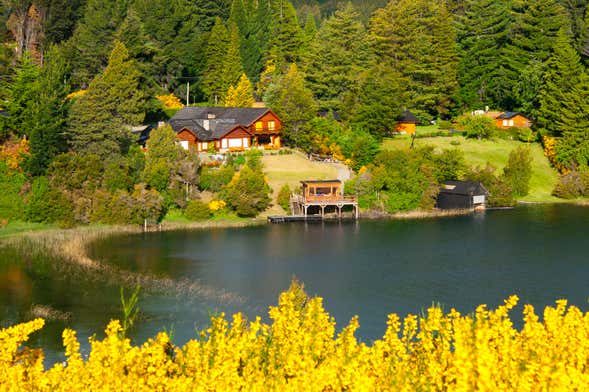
369,269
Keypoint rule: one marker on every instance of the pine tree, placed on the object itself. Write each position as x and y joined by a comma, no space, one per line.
483,37
93,38
286,36
558,93
418,39
47,112
294,103
240,96
100,119
232,64
336,57
213,85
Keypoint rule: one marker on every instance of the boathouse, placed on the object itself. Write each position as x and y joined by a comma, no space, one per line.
459,195
321,197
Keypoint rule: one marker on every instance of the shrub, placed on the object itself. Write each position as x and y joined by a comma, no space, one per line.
48,205
519,171
444,124
499,187
526,135
480,127
572,185
197,210
248,194
149,204
11,186
455,142
283,197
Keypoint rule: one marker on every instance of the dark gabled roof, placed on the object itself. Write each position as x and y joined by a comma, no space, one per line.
470,188
222,120
508,115
408,117
144,135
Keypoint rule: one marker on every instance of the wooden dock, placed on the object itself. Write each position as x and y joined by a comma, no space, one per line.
294,218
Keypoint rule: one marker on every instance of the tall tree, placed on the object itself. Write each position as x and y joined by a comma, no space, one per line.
294,103
483,37
232,64
336,56
47,114
212,83
242,95
93,38
286,36
100,120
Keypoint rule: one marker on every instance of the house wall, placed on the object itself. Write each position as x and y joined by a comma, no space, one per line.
408,128
187,135
237,140
263,128
518,121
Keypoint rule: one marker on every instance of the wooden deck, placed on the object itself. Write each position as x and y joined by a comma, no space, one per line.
301,206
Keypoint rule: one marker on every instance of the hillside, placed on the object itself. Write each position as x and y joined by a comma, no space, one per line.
496,152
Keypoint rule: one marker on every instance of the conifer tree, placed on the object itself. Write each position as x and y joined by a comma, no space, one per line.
232,64
47,114
558,93
100,120
286,36
93,38
294,103
240,96
483,37
213,84
336,56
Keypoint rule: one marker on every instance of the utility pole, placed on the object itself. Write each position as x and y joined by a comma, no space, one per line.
187,93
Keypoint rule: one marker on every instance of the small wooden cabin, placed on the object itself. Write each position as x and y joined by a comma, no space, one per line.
406,123
459,195
512,120
322,190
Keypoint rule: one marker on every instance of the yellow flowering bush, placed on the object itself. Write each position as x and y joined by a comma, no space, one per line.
14,153
299,350
76,94
549,143
170,101
217,205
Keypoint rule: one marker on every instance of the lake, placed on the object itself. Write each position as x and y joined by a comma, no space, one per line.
366,268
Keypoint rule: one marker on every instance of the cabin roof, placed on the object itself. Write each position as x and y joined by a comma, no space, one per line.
310,182
470,188
408,117
508,115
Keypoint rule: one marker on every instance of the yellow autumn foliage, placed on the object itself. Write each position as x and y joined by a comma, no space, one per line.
216,205
170,101
299,350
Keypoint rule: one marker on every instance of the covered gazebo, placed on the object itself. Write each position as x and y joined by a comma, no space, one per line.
406,123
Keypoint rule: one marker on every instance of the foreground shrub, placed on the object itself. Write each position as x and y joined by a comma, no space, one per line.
248,193
283,198
197,210
572,185
519,171
299,350
480,127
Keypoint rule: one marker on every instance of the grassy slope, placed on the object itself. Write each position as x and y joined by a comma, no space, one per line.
292,169
478,153
15,227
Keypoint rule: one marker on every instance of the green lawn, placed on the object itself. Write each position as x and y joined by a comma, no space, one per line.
15,227
496,152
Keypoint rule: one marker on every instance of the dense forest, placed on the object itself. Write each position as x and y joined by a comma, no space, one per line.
77,76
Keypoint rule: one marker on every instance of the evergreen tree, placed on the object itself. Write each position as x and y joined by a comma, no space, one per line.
294,103
60,20
483,37
418,39
286,35
533,32
100,120
336,57
232,65
47,114
240,96
558,93
93,38
379,101
21,92
213,84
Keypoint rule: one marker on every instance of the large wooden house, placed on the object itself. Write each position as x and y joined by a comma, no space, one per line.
227,129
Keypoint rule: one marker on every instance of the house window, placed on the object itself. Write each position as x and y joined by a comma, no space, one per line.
511,123
224,143
505,123
271,125
204,146
245,142
233,143
259,126
184,144
206,124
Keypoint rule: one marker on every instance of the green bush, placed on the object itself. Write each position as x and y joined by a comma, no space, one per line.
12,183
444,124
499,187
526,135
197,211
572,185
283,197
248,194
519,171
480,127
48,205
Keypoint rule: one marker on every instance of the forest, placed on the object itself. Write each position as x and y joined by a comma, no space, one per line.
77,76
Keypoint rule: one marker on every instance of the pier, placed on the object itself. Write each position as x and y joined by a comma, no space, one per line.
319,198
